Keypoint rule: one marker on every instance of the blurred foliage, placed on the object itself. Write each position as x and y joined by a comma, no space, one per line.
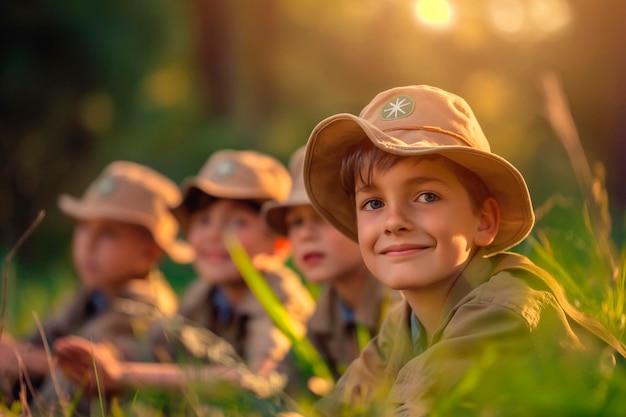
166,82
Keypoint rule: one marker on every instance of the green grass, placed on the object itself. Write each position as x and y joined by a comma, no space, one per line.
571,240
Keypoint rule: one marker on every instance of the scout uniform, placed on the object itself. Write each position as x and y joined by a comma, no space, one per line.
246,325
334,329
401,374
249,176
505,322
135,194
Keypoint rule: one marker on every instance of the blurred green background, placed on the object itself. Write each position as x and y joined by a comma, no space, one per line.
165,83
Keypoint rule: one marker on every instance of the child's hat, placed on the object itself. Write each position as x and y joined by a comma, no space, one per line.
239,175
132,193
414,120
274,212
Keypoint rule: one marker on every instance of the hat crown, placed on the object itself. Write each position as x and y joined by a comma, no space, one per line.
136,194
425,116
133,186
243,175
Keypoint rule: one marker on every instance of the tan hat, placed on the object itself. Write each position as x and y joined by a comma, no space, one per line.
414,120
274,212
239,175
135,194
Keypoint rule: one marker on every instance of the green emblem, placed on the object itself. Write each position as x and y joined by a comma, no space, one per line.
397,108
106,186
225,168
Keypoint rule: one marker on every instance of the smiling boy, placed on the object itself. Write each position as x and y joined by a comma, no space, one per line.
433,211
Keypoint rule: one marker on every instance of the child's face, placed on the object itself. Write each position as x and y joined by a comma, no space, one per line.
206,229
319,250
108,253
416,225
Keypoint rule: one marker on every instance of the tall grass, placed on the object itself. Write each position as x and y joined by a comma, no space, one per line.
582,256
571,240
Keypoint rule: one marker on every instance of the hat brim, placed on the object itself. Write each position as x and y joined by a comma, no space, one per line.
330,139
274,213
179,251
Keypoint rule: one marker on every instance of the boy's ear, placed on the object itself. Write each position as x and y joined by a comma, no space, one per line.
489,222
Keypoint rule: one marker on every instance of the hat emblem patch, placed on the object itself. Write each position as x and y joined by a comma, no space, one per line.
225,169
397,108
106,186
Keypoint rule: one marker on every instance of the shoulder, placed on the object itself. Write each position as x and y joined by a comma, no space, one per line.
506,283
326,310
513,292
195,297
288,286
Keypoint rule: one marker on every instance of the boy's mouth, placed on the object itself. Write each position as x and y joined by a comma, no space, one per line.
402,249
214,256
312,258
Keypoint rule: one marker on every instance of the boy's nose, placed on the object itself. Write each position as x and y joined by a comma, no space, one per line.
397,220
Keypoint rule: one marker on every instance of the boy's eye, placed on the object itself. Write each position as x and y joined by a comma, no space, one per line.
292,222
427,198
372,204
201,219
237,222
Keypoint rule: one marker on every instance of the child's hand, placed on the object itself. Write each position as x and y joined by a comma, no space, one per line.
81,360
8,358
18,355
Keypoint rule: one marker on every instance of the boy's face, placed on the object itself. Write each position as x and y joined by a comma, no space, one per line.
416,225
320,251
205,234
108,253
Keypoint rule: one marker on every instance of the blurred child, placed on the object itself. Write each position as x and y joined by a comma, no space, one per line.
352,303
226,196
481,331
123,227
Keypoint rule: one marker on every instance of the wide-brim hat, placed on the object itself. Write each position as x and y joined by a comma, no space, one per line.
414,121
273,212
238,175
135,194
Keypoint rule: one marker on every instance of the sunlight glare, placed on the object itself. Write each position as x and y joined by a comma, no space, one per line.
434,12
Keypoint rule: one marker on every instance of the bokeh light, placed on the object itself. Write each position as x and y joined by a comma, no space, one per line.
434,12
529,20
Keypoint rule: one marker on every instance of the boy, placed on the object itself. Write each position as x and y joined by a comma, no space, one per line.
123,227
433,211
226,196
349,309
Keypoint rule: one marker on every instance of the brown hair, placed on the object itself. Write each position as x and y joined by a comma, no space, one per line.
197,200
362,158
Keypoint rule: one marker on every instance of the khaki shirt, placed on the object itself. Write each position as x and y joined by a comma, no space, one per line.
122,322
336,339
129,314
506,327
250,330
